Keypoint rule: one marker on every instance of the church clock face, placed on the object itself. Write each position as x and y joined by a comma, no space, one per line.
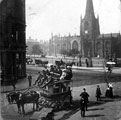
86,31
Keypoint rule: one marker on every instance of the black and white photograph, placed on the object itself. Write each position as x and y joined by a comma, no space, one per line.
60,59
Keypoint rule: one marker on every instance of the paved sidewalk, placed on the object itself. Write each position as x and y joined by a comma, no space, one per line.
21,84
106,110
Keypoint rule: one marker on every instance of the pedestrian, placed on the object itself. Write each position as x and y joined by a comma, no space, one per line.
87,64
107,94
82,106
30,79
111,90
14,83
98,93
70,95
85,95
14,86
109,69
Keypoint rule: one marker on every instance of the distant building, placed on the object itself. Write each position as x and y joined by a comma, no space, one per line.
30,42
57,43
12,39
90,42
45,47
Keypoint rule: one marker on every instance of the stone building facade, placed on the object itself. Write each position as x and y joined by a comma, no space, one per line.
44,46
30,43
57,43
12,39
108,45
90,42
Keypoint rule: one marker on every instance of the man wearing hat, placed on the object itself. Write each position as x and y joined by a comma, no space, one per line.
85,95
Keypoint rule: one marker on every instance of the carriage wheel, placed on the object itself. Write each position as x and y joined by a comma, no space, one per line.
61,103
66,100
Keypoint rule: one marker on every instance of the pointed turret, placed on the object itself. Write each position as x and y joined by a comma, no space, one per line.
89,9
89,30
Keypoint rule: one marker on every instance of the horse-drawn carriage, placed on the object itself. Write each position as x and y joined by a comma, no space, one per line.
41,63
54,93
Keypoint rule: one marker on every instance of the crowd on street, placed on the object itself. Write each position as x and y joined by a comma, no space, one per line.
84,97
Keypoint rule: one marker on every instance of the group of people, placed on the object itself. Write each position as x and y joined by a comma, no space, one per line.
55,73
43,77
84,97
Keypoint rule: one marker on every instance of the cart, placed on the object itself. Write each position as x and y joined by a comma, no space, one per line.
56,94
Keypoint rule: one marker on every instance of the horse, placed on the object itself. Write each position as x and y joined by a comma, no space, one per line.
24,98
11,97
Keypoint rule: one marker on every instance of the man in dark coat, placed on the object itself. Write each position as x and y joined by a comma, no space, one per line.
30,79
98,93
85,95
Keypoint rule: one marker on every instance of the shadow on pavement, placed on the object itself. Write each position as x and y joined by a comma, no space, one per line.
117,97
76,107
95,109
29,113
96,115
72,110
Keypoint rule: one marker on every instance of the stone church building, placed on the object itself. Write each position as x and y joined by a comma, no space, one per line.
90,43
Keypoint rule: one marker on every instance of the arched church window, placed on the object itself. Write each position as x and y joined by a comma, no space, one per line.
64,46
86,26
75,45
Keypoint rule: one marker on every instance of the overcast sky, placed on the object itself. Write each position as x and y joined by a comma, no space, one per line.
44,17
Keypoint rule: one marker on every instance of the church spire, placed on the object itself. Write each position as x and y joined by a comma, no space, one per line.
89,9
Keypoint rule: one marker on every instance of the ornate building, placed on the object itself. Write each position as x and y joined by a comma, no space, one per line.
57,43
93,43
90,42
12,39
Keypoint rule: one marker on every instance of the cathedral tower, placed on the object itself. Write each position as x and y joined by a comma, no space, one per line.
89,30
